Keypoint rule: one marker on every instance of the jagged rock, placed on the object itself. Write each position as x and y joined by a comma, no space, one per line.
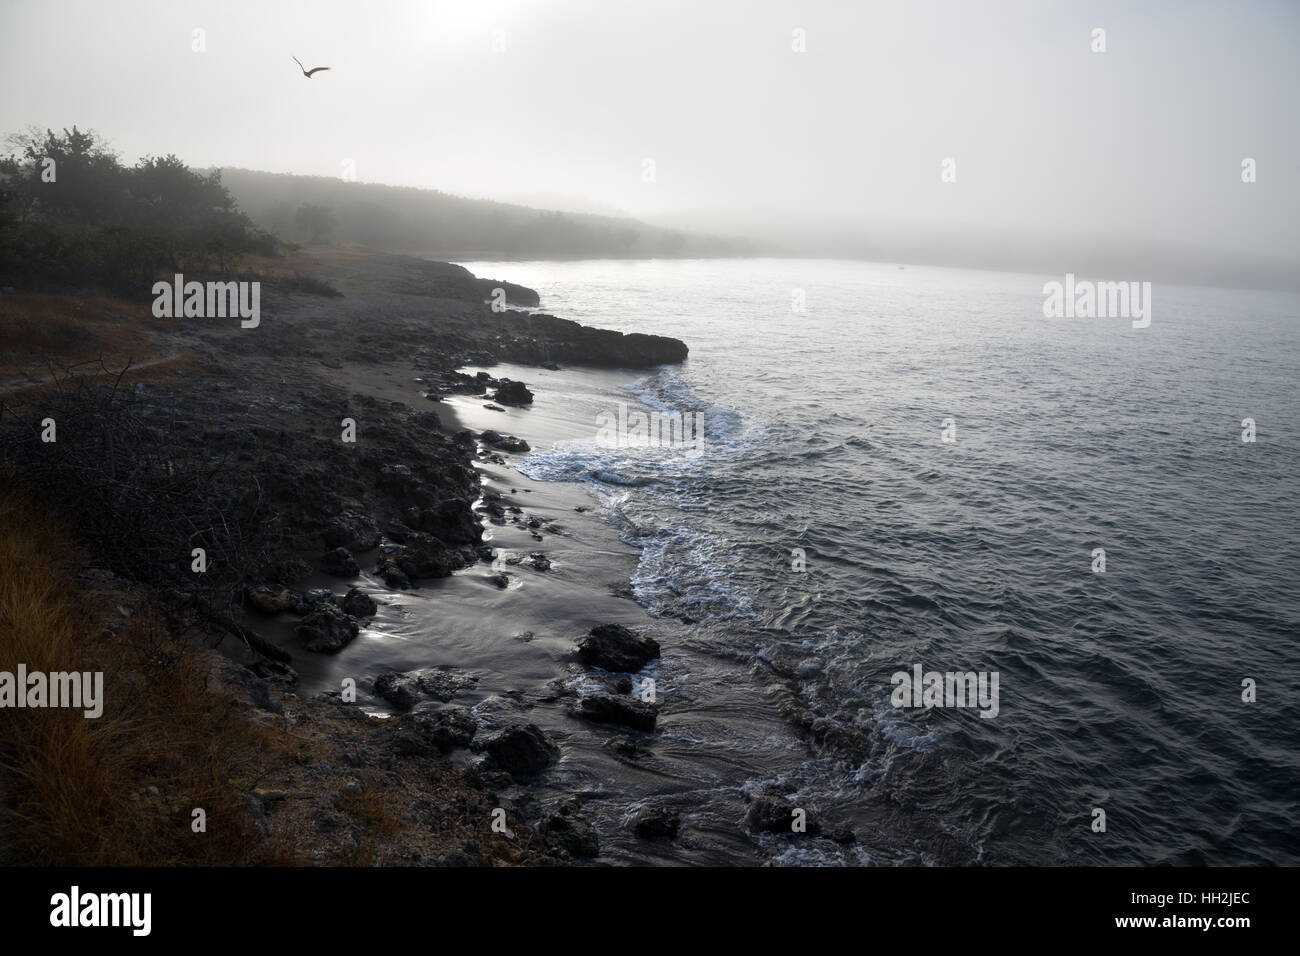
359,604
408,688
354,531
452,522
309,599
448,728
399,689
397,479
571,831
326,628
652,823
424,556
540,561
522,750
393,575
615,648
626,711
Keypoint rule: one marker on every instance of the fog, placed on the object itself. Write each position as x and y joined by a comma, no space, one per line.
835,149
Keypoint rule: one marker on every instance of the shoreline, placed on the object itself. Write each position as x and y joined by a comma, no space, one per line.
270,403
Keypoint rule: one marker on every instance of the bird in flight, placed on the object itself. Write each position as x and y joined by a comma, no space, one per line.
306,72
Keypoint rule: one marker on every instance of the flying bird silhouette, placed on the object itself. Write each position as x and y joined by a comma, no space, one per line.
306,72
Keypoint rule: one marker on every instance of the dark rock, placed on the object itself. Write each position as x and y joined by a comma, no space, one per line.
567,341
505,442
652,823
425,556
615,648
397,479
771,813
407,688
513,393
571,831
359,604
354,531
625,711
308,600
393,576
623,685
326,629
447,728
540,561
452,522
268,600
500,580
340,563
399,689
523,750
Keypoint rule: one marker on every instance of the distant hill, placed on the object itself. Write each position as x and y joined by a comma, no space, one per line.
432,223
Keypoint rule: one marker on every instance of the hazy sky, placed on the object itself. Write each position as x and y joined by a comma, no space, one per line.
1144,140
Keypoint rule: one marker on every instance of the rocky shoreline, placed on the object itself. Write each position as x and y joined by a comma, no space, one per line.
323,425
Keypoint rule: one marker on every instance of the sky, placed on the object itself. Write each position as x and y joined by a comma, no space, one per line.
570,103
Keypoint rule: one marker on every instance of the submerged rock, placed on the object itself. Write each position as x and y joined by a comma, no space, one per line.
615,648
408,688
626,711
772,813
651,823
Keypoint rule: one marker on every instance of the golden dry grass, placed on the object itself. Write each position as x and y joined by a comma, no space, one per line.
119,789
37,326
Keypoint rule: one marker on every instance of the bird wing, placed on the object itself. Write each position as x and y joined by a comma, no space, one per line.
316,69
300,66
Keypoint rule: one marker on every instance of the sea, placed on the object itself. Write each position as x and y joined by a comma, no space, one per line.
912,470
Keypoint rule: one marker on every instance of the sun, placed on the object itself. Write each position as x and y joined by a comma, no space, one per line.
465,22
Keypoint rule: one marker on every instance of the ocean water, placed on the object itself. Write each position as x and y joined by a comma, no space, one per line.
1120,691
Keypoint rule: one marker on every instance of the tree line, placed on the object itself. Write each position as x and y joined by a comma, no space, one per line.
71,213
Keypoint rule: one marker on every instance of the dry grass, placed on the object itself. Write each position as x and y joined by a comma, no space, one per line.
119,789
35,327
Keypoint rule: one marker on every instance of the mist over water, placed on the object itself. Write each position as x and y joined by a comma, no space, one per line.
1120,690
